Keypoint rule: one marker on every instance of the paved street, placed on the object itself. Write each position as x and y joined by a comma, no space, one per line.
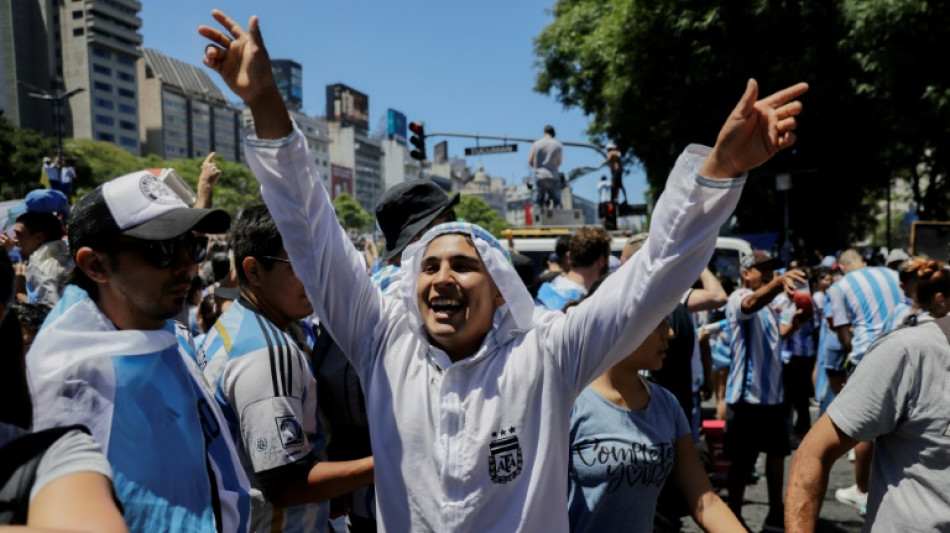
835,517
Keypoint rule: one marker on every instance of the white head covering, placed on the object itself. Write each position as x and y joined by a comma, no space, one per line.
511,319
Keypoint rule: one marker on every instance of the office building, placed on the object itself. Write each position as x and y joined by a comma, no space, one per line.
183,112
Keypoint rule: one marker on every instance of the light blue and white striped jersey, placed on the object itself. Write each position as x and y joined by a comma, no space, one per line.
146,403
828,346
800,343
556,293
265,387
755,373
866,299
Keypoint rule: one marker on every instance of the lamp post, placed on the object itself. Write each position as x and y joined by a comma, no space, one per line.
57,100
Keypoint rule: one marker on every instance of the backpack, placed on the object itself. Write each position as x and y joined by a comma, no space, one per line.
19,461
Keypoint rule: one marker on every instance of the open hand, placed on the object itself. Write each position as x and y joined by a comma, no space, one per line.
239,57
791,280
755,131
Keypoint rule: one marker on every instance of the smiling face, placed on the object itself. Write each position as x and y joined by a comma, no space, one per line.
456,295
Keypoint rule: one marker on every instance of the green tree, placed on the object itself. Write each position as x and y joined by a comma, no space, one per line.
654,76
473,209
350,213
21,159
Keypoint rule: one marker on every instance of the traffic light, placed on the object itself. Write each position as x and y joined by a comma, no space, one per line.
610,216
418,140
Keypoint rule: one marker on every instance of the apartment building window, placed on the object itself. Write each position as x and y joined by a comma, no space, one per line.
125,76
126,93
104,120
100,69
124,60
127,109
126,125
77,14
99,52
102,86
79,32
108,137
103,103
128,141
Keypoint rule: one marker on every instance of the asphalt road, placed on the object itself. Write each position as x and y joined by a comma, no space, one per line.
835,517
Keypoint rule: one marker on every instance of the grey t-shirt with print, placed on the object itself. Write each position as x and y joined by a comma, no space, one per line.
900,396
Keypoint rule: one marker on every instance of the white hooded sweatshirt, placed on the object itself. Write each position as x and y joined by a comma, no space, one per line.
481,444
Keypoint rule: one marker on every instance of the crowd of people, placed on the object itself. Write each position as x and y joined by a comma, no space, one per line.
169,369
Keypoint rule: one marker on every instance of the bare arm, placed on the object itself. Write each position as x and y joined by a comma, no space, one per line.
711,296
325,480
766,293
207,179
808,476
76,502
706,508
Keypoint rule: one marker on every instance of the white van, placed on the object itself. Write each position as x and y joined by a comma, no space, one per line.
538,243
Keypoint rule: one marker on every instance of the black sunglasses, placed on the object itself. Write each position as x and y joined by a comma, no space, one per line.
161,254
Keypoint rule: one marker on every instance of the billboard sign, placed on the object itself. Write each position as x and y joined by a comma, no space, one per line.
396,125
341,180
347,106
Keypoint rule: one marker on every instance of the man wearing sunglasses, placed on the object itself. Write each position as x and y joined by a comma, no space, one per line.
112,359
264,384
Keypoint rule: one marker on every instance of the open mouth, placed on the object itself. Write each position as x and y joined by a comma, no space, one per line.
445,307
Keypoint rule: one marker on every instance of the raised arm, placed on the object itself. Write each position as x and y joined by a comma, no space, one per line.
700,195
710,296
331,269
207,179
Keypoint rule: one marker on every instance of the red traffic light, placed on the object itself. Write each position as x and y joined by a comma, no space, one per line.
418,128
610,208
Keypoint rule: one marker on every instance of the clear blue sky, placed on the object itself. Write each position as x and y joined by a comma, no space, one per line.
461,67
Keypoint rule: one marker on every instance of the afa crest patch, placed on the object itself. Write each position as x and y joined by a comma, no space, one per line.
261,445
505,459
291,434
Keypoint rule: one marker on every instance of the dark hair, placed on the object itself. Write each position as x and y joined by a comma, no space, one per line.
819,272
255,234
932,277
524,266
588,245
31,316
549,129
45,223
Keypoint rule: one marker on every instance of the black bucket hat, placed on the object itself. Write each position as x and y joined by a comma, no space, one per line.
406,209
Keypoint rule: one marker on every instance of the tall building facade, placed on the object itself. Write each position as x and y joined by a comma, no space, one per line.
289,77
183,112
352,148
100,46
57,46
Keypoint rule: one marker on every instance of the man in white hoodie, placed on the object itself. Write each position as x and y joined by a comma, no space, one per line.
468,394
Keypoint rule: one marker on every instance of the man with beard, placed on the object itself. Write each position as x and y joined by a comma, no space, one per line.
112,360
